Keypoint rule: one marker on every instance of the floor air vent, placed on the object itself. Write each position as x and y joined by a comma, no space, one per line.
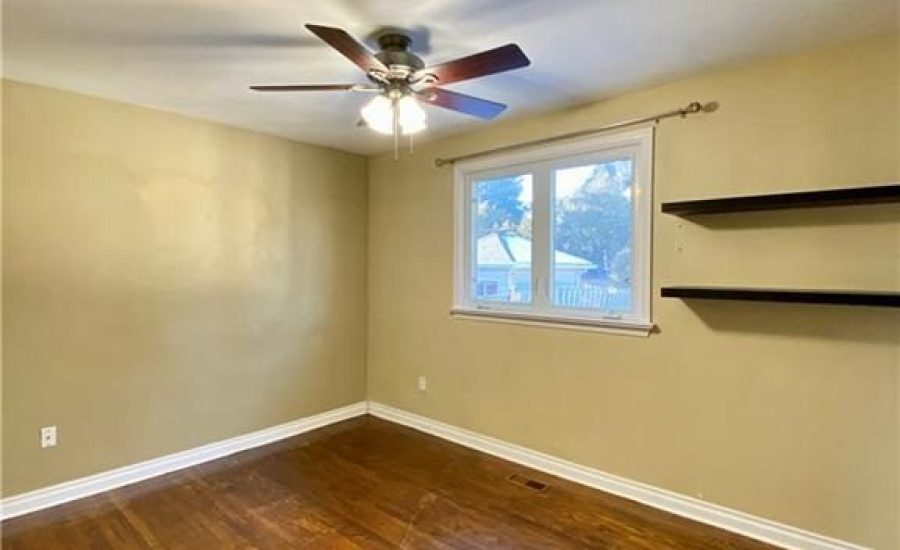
532,484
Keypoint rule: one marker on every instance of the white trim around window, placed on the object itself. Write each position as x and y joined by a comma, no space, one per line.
541,305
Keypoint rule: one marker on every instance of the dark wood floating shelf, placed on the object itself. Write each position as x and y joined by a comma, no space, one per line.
801,199
835,297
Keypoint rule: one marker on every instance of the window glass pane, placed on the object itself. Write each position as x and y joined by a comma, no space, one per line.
502,234
592,230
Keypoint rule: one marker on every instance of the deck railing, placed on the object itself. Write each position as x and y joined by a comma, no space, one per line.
605,299
599,298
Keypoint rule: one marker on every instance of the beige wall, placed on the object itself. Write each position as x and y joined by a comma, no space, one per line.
784,411
168,283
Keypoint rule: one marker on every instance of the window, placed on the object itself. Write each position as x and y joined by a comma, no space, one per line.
558,234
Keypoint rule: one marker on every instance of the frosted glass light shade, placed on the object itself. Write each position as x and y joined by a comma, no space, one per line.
412,117
379,114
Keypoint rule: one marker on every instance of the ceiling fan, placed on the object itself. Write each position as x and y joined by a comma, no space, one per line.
401,80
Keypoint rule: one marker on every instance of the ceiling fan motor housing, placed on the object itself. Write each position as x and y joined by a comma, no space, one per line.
395,52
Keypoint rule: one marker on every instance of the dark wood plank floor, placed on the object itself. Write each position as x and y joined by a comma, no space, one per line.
363,483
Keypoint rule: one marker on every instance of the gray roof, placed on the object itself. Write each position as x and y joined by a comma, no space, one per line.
509,249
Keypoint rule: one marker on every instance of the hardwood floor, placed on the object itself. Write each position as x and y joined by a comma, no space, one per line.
363,483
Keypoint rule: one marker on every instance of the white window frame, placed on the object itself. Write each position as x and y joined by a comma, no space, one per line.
540,162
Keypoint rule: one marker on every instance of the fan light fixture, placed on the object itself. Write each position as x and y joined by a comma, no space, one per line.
380,113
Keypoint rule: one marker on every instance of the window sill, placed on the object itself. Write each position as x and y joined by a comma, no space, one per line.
549,321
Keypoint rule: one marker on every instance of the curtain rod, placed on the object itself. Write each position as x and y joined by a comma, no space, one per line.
692,108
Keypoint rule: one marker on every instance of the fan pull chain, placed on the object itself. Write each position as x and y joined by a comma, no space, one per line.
396,111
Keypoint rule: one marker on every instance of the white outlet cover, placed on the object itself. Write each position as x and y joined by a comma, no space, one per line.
423,383
48,437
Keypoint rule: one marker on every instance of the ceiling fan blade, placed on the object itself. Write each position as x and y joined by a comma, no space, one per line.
349,47
455,101
498,60
302,87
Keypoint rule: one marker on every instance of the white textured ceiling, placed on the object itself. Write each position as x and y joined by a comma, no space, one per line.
197,57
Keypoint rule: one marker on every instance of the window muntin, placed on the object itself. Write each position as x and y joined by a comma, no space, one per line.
582,218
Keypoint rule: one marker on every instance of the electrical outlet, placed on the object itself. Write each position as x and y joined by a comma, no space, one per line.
48,437
423,383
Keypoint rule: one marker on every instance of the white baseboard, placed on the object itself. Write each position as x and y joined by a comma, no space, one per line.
698,510
79,488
